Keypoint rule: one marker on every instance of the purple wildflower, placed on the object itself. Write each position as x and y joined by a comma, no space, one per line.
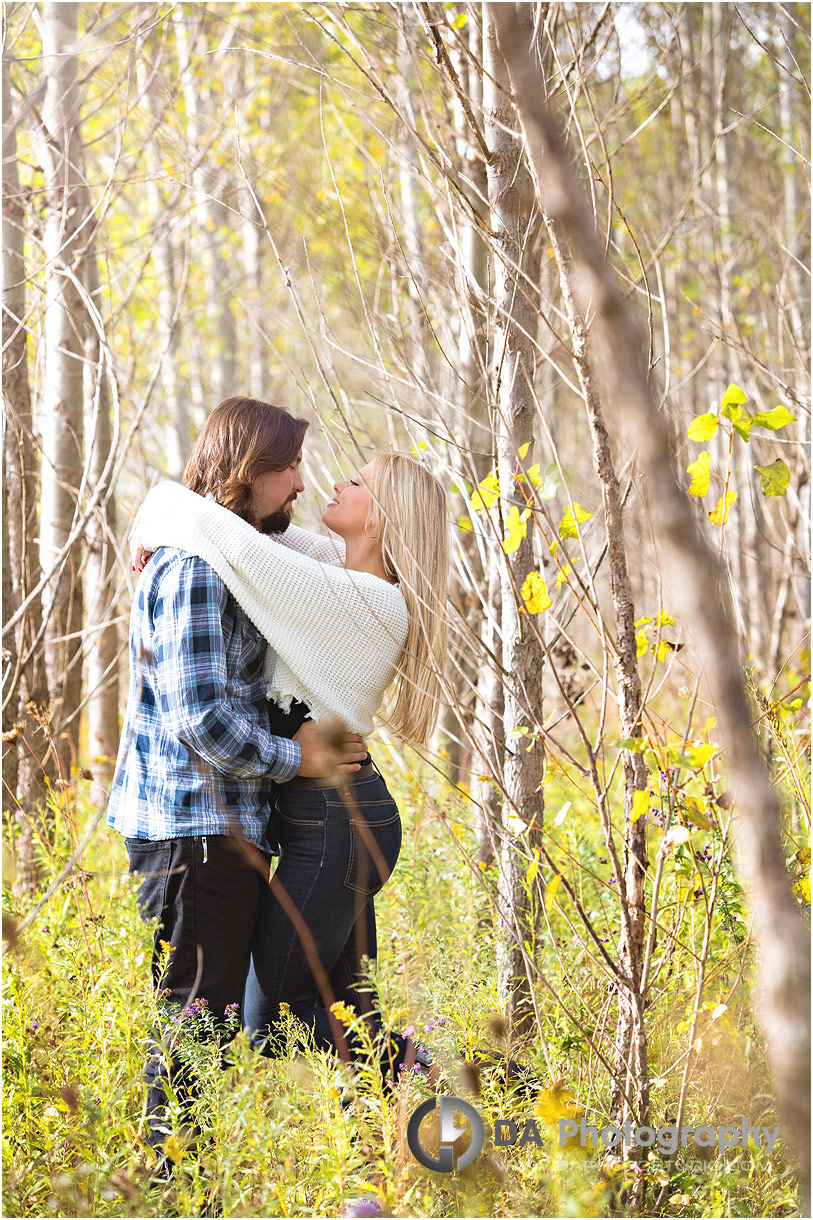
401,1067
363,1207
409,1031
430,1025
232,1008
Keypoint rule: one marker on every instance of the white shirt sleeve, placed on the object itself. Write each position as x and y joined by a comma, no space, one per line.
331,627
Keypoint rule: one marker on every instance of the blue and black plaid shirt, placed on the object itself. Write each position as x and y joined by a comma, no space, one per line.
196,755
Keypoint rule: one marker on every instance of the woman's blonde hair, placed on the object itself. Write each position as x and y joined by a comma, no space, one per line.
408,515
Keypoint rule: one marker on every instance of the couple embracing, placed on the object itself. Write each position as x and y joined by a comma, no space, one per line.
245,634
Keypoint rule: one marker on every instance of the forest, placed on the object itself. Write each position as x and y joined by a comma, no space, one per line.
559,253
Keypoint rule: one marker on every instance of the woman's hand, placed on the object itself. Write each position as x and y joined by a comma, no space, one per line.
138,555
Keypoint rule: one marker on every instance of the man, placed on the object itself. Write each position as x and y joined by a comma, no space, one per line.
197,760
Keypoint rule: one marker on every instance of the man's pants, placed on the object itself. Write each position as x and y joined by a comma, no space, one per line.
204,894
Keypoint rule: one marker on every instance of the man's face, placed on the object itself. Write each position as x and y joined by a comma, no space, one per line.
273,495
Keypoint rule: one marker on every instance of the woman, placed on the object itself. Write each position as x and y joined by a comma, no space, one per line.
338,635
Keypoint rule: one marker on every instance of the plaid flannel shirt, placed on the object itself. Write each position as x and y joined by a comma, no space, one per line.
196,754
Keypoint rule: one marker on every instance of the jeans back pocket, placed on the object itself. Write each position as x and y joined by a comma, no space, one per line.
375,843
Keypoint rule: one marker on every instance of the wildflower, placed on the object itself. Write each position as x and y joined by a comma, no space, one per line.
392,1084
416,1067
409,1031
401,1067
441,1021
232,1008
364,1207
345,1012
33,1027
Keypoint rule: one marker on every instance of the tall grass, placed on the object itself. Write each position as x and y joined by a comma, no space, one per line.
302,1135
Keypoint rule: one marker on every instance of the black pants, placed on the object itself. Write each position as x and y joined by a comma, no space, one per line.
316,922
203,893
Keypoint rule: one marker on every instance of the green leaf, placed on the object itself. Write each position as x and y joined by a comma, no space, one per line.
703,427
741,421
635,745
700,470
774,480
719,514
521,730
777,418
733,397
550,481
573,518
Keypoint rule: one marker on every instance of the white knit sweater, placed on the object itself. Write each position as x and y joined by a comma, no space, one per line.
335,636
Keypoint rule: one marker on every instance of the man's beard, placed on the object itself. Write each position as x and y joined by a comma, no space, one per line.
276,523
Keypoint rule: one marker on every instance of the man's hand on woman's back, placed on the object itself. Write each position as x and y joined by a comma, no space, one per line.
326,751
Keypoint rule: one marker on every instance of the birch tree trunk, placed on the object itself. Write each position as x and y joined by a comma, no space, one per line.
630,1092
61,407
783,940
102,656
209,181
28,764
515,223
165,260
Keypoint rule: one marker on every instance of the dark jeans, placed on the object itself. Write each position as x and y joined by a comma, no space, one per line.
317,918
203,892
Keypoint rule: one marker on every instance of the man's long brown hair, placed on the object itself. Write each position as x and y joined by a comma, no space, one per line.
242,439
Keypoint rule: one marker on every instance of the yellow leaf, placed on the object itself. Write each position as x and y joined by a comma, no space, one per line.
700,470
464,523
523,449
641,645
550,891
516,527
487,492
534,594
777,418
662,619
562,575
719,514
734,396
802,889
702,427
701,754
533,869
718,1011
573,518
661,650
640,805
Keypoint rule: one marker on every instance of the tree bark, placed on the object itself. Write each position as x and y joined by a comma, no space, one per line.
103,643
61,407
784,949
516,224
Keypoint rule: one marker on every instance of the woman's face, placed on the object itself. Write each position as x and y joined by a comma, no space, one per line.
349,509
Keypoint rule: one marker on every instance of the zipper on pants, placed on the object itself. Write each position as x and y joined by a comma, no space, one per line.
205,848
